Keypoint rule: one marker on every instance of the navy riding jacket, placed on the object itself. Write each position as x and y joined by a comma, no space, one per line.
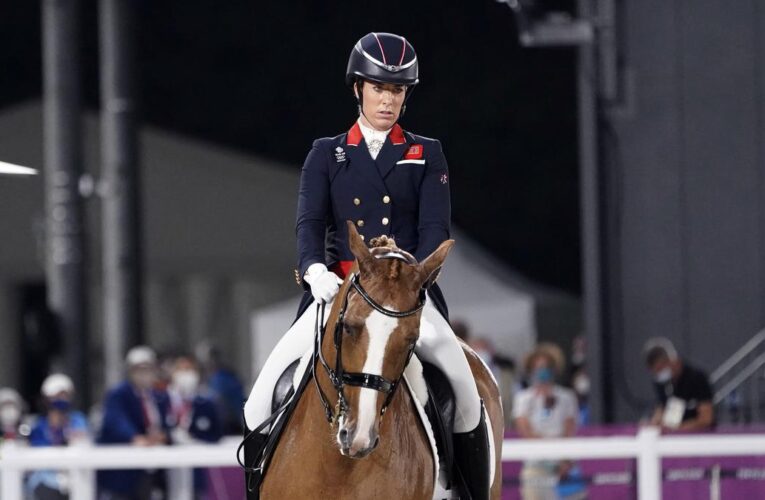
403,194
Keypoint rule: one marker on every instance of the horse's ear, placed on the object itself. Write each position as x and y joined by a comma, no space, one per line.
430,267
358,247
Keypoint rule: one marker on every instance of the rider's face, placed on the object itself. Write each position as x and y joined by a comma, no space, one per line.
381,104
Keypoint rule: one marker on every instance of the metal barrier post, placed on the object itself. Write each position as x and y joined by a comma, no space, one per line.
714,483
180,484
649,464
82,484
11,478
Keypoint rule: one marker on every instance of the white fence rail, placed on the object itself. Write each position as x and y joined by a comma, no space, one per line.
648,448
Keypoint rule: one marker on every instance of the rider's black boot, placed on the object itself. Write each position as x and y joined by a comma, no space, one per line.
472,456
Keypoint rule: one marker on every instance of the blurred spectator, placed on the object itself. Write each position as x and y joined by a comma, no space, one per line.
684,395
545,410
580,379
223,385
11,412
59,426
134,412
580,383
194,416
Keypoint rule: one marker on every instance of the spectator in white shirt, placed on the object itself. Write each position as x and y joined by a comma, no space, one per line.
544,410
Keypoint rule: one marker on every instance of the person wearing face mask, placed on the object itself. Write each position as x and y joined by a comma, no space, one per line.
683,392
61,425
135,412
11,412
544,410
194,417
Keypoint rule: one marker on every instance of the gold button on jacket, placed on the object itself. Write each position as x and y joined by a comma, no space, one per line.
385,221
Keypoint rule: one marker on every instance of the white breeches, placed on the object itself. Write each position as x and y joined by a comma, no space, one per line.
437,345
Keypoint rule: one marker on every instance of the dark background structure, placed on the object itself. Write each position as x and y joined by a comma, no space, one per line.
267,77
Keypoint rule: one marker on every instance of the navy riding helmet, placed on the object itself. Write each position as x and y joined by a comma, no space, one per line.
383,58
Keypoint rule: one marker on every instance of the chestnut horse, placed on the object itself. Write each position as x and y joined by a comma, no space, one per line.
374,445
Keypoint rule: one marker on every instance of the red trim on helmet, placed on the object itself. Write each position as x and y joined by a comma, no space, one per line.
403,50
381,49
354,135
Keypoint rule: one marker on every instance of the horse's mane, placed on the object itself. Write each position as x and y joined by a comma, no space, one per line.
383,242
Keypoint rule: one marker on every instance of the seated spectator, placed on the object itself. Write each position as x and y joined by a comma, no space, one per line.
11,412
224,386
193,415
683,392
59,426
544,410
134,413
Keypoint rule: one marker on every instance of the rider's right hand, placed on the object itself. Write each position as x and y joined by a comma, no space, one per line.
324,283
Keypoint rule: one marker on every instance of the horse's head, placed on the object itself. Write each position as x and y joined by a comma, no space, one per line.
374,341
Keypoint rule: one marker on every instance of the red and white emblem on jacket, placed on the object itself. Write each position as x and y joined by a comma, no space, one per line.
414,152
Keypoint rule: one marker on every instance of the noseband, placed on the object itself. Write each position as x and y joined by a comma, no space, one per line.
338,376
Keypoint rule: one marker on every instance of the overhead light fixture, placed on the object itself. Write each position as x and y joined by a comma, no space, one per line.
540,28
11,169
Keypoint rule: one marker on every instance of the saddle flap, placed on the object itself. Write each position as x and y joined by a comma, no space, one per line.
284,386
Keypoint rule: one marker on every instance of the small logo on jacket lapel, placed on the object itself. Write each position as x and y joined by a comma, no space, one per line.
339,154
414,152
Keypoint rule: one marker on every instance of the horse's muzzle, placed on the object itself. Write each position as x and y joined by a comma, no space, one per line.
354,446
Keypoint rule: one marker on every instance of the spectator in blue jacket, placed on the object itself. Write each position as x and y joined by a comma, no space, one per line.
135,412
61,425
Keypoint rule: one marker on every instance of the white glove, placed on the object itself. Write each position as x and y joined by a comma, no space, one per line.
324,283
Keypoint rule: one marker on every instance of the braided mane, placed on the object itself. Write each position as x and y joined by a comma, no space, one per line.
385,244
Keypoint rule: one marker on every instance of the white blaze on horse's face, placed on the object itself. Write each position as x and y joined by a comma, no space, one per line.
364,436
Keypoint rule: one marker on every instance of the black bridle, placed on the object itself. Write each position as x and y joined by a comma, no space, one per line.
338,376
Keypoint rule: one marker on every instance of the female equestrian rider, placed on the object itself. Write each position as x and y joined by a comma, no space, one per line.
389,182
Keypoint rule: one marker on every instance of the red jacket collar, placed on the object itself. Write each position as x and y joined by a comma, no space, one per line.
355,136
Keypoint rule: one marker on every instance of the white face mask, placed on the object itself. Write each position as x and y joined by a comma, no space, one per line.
664,375
9,415
186,382
582,385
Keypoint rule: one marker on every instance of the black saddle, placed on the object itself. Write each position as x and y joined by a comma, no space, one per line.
439,409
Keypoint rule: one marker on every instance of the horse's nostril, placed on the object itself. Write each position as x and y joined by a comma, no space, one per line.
377,441
343,436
